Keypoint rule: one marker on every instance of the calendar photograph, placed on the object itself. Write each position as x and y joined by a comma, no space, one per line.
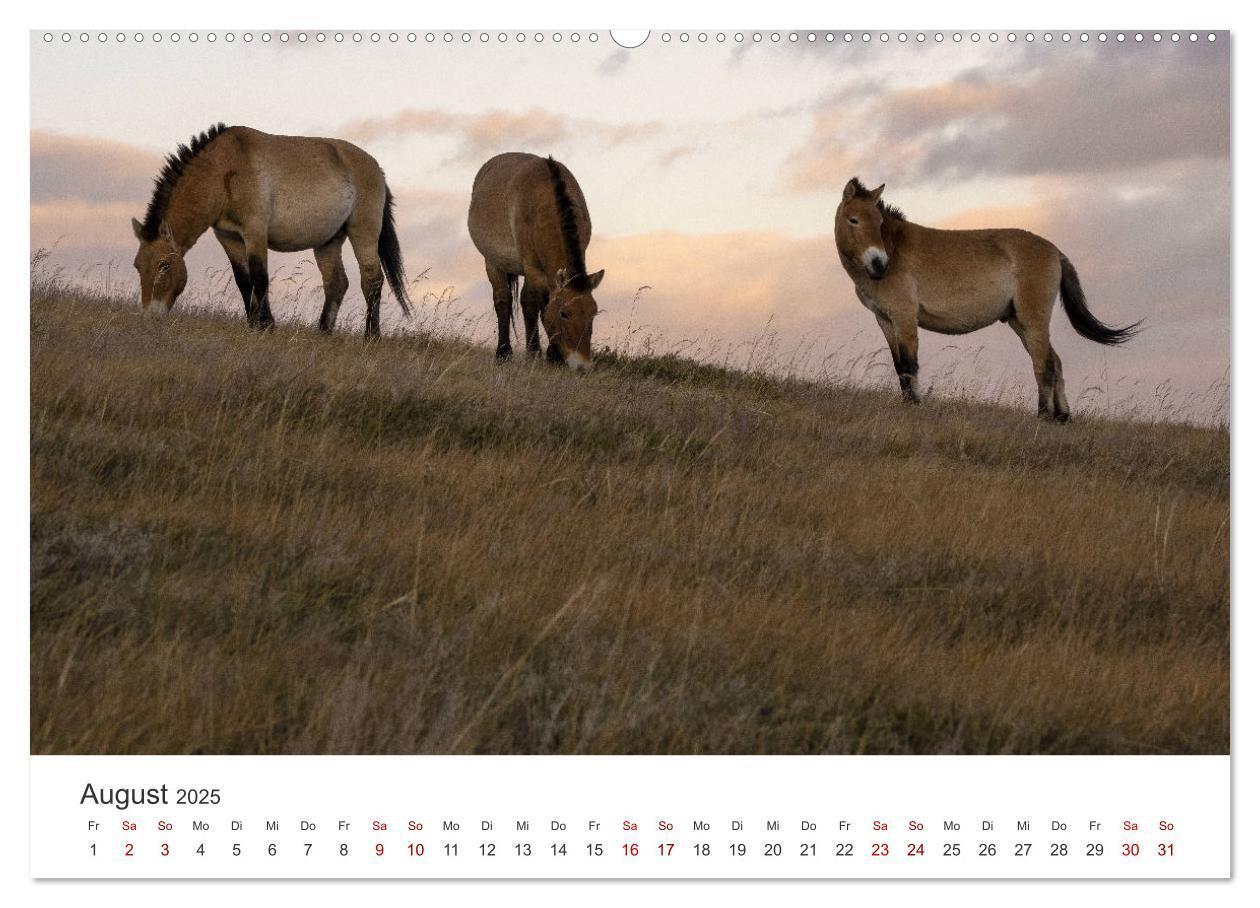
798,392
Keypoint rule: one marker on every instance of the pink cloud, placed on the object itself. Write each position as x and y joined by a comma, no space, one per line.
484,134
87,169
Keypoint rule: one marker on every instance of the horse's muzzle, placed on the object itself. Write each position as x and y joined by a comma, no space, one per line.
875,261
554,355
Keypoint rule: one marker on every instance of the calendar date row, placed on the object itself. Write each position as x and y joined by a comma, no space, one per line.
700,849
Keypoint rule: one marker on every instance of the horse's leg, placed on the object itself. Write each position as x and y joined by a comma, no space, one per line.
903,342
1061,411
501,288
371,277
333,272
1036,340
533,301
256,262
235,249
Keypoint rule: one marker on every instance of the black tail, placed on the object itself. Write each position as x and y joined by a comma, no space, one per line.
1078,313
391,256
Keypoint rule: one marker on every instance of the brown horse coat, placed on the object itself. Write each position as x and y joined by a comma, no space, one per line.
957,281
261,192
528,218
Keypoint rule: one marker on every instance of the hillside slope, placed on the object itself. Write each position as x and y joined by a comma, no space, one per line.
293,543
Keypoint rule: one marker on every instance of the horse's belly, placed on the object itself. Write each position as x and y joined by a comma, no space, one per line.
963,316
311,218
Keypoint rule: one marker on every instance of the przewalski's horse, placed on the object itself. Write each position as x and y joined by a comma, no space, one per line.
528,218
956,281
258,192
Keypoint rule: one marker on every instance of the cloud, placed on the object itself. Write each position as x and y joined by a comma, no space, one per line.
89,170
1145,253
672,155
76,224
85,191
1074,112
614,62
484,134
728,282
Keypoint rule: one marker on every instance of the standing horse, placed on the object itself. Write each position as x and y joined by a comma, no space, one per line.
956,281
258,192
528,218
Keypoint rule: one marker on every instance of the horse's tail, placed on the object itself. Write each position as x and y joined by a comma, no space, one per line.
391,255
1078,313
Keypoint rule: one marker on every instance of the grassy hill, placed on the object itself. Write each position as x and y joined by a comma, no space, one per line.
293,543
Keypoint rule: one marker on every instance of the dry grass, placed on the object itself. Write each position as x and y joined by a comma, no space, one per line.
247,543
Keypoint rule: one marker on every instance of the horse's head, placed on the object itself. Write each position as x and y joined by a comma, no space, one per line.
860,233
569,316
160,263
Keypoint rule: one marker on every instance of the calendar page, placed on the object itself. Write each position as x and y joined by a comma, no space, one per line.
629,454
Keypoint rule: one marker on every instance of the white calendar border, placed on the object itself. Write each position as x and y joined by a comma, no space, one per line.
1083,14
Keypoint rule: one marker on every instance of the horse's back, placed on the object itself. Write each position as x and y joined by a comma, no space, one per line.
990,244
310,187
501,171
512,200
313,158
996,257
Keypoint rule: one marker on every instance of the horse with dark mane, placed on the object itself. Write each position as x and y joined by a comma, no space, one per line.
528,218
261,192
956,281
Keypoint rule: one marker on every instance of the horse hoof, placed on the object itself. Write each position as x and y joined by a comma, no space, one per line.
503,355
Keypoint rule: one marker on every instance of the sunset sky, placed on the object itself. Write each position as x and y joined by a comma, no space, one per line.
712,171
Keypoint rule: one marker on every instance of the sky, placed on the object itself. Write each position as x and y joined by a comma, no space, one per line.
712,172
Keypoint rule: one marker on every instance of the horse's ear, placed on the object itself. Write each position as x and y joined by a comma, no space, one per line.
137,228
561,278
877,192
165,233
851,188
595,278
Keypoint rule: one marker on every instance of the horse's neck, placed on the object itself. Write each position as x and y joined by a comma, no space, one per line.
195,204
894,231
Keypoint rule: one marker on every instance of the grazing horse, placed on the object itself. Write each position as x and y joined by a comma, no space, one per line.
956,281
528,218
258,192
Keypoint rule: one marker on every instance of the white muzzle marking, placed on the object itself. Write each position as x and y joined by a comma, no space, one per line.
578,362
873,255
